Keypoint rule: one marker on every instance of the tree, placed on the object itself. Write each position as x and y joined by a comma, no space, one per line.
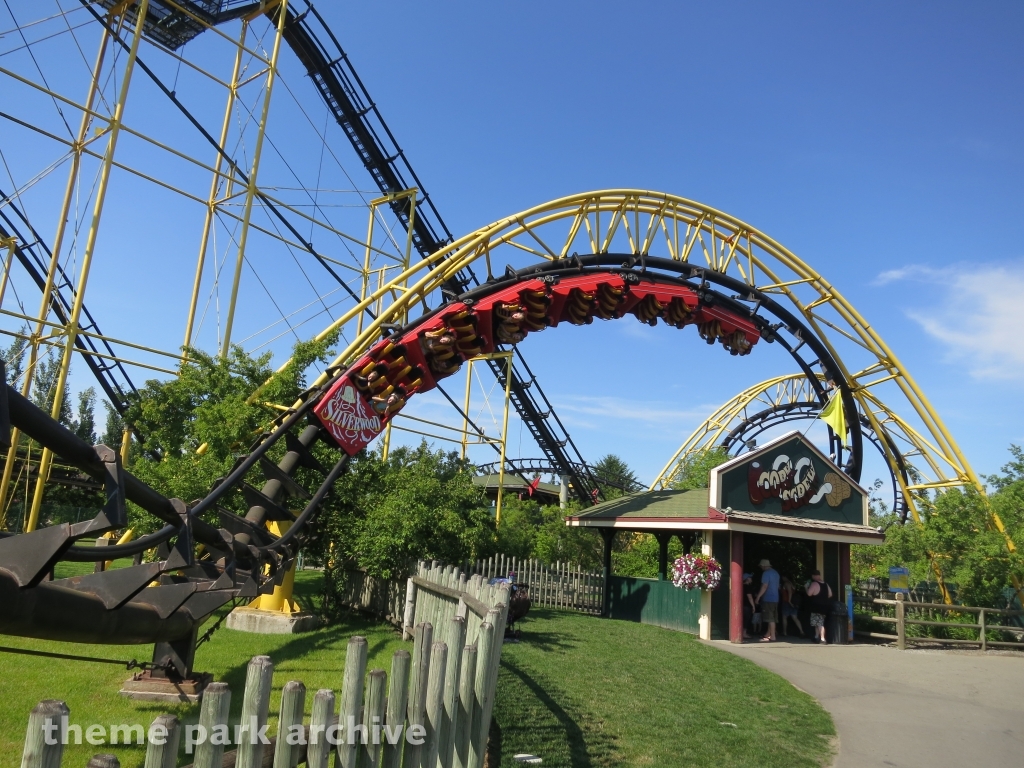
1013,471
219,403
614,476
556,541
956,531
418,504
44,390
84,424
696,468
14,356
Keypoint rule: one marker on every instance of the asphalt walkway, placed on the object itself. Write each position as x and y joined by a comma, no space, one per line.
909,709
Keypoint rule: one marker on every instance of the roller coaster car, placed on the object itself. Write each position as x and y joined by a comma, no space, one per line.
649,309
507,322
467,338
536,304
439,351
579,307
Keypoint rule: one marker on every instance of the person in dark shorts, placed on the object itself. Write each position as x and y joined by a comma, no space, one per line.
789,606
768,599
819,596
749,590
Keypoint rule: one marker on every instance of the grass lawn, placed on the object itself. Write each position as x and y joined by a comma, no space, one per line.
579,691
90,690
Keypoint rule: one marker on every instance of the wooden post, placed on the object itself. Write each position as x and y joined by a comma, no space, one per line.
663,540
398,701
435,703
373,718
478,734
45,725
215,709
293,704
901,628
255,710
981,622
736,589
351,700
464,720
456,640
497,617
319,749
418,691
104,761
410,609
163,752
844,568
608,534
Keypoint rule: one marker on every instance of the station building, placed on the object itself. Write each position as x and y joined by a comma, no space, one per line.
785,501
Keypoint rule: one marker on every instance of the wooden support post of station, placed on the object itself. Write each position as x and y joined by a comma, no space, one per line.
736,589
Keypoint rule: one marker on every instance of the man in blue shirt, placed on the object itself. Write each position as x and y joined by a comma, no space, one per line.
768,598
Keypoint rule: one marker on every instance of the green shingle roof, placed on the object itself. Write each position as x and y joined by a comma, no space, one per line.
664,504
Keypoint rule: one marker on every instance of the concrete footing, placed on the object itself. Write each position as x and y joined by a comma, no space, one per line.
270,623
144,687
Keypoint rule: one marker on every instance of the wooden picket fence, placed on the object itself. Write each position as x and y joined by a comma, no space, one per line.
384,598
445,687
562,585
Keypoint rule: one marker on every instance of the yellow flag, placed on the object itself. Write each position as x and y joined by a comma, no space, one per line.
834,415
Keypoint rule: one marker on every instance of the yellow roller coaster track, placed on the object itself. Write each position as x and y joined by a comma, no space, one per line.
649,223
919,455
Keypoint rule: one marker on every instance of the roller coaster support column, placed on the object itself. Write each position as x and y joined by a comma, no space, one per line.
504,424
11,244
113,132
58,242
280,600
211,203
250,192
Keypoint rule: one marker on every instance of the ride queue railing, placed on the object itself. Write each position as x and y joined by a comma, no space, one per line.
444,690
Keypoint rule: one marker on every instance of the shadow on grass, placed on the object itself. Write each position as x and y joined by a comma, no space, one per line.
546,641
537,717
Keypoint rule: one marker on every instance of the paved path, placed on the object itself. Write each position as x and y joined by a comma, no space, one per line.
909,709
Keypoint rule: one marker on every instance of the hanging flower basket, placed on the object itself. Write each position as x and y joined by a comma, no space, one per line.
696,572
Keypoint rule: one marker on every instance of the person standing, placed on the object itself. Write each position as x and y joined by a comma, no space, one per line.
820,599
748,604
789,606
768,598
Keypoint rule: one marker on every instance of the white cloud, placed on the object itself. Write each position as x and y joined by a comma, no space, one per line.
979,317
655,415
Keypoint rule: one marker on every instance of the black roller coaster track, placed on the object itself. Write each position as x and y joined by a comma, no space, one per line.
34,256
543,466
341,89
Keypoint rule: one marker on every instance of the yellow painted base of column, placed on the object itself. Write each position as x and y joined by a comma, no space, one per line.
280,600
275,603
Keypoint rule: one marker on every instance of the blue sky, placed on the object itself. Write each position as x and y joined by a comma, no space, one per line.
880,142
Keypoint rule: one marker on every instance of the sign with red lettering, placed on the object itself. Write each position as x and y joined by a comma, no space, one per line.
350,418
